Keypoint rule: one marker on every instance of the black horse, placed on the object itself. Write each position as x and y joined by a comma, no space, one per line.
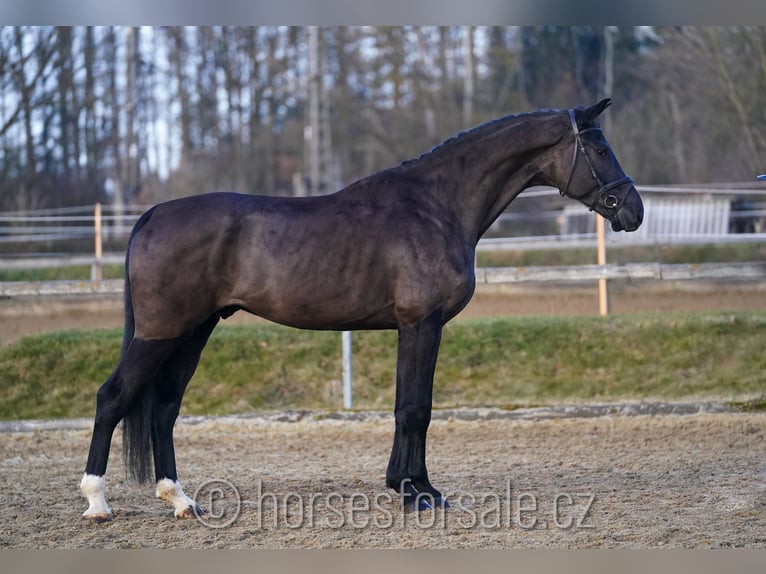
394,250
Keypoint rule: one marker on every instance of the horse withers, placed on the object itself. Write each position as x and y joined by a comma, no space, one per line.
395,250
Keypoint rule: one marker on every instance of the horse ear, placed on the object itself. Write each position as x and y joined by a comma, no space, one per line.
595,110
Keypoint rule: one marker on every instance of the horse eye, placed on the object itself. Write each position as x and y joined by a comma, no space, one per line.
602,152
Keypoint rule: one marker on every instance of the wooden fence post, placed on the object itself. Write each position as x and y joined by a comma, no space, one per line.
603,294
96,270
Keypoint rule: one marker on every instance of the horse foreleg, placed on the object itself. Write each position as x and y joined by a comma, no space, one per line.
93,488
173,379
416,360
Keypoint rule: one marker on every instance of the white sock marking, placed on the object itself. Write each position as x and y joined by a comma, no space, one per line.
93,488
171,491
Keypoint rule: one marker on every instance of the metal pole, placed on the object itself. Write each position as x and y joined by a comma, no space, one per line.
347,371
96,272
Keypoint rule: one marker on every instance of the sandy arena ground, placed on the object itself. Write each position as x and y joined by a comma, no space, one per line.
692,481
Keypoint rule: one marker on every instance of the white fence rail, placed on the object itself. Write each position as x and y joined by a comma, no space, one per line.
673,215
484,275
65,224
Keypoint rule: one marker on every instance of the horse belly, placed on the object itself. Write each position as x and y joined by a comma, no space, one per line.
317,292
327,310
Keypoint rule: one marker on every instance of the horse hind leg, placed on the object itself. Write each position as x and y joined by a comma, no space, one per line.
173,379
114,400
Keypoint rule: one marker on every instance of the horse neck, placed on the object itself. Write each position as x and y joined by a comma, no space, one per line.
486,172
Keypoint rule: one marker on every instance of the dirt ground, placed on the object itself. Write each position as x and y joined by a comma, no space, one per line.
690,481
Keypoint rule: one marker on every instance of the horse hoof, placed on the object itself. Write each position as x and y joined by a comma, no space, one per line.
97,517
190,512
420,504
428,503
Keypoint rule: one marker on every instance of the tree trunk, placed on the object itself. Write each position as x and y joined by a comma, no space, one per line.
678,140
25,93
130,176
177,62
115,137
314,110
468,77
92,155
64,51
608,74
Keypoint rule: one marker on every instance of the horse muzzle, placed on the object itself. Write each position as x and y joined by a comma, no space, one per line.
630,214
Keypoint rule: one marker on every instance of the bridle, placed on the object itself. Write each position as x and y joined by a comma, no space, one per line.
605,198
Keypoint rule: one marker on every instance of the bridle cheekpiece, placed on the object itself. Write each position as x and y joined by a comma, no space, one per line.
608,200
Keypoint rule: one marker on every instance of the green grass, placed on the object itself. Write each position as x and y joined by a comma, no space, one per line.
499,362
61,273
722,253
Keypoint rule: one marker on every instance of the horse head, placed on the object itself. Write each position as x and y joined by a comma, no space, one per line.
592,175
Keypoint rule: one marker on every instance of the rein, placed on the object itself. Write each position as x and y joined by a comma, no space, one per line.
609,200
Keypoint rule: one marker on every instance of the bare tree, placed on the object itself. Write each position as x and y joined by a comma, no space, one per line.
192,110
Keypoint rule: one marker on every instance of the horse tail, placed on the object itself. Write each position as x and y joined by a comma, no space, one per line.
137,423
